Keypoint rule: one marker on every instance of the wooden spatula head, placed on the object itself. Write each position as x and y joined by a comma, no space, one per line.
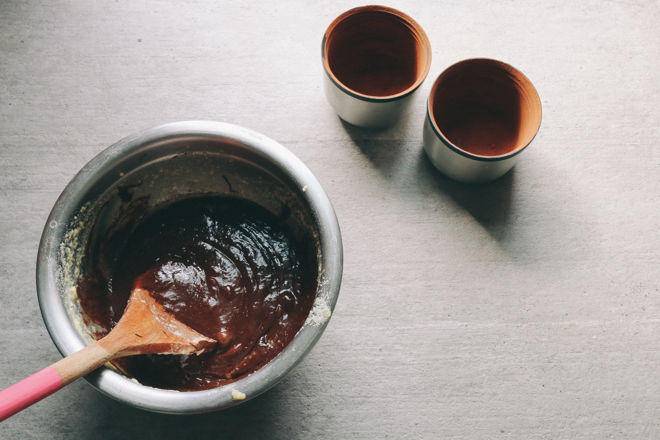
147,328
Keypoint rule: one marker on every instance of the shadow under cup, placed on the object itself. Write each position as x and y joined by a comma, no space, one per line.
374,57
481,114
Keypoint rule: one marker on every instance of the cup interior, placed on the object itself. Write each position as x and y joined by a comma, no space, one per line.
376,51
485,107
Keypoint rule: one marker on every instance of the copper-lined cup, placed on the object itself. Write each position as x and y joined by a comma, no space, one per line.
374,57
481,114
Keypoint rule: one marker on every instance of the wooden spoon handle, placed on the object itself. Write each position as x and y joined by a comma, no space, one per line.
45,382
82,362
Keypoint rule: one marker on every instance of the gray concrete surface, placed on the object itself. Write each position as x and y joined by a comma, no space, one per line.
524,309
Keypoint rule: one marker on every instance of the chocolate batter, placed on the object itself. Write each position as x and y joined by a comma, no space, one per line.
225,267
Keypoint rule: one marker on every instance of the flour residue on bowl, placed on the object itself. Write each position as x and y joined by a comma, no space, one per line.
321,311
237,395
70,253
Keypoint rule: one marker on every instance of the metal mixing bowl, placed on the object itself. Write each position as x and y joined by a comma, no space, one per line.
156,167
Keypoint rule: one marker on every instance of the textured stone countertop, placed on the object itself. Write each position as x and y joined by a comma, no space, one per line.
528,308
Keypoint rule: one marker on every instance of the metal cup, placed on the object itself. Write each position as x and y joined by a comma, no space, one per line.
481,114
374,57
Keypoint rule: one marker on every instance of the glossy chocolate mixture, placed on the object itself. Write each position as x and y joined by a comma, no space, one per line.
225,267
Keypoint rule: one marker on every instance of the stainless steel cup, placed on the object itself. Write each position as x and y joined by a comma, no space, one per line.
481,115
374,58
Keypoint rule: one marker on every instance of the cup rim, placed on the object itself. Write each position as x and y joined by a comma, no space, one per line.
67,339
431,117
389,11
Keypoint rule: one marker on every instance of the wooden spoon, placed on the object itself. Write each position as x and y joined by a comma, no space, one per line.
145,328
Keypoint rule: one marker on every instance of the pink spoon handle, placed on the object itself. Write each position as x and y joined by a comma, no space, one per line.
28,391
44,383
